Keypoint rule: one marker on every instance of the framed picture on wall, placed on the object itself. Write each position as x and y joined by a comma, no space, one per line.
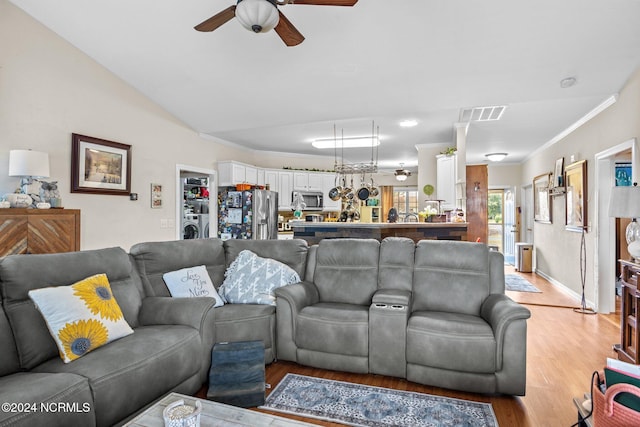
99,166
542,198
558,176
623,174
576,206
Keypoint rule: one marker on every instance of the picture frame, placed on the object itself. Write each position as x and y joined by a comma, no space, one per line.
156,196
542,198
623,174
99,166
558,175
576,185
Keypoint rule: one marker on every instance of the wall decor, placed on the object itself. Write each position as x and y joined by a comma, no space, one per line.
156,196
623,174
99,166
576,208
558,175
542,198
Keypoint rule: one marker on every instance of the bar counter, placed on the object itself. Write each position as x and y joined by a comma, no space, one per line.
313,232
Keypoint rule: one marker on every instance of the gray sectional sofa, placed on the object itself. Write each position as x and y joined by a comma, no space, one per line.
434,313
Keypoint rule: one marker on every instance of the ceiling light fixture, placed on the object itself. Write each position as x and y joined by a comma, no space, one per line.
402,174
409,123
496,157
567,82
259,16
356,142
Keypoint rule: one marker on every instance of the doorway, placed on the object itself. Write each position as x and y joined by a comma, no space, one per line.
502,224
605,262
196,202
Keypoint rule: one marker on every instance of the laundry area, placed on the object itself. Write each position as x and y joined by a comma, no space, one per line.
195,220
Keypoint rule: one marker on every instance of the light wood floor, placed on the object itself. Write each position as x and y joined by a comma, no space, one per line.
563,349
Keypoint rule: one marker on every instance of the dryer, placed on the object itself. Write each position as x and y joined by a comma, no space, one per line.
203,223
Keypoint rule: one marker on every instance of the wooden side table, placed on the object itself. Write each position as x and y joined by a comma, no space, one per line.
629,328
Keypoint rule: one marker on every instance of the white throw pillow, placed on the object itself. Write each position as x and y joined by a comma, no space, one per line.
191,282
251,279
81,317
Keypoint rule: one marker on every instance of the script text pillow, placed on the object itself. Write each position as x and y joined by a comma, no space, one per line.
251,279
81,317
191,282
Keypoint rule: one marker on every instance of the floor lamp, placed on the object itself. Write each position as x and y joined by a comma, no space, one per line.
583,309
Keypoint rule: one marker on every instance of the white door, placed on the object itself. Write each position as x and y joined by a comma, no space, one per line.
526,215
509,211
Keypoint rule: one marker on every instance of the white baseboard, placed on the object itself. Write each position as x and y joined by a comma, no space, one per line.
566,290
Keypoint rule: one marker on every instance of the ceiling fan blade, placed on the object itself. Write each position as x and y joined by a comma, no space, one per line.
287,32
217,20
326,2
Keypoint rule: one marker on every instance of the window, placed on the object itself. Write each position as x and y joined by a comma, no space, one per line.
405,200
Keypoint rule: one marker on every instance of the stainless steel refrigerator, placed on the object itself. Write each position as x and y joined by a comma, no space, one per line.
249,214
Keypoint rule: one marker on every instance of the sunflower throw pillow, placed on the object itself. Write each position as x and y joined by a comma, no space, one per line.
81,317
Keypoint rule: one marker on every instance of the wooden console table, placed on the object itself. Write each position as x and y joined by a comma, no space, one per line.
630,331
39,231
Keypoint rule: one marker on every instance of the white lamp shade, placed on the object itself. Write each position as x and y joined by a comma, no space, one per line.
258,16
28,163
625,202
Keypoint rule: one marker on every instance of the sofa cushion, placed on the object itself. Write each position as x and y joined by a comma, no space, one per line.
129,373
396,263
451,276
290,252
153,259
346,270
9,360
251,279
334,328
191,282
457,342
50,389
21,273
81,317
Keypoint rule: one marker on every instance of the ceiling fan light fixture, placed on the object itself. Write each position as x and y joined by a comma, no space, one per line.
402,174
496,157
259,16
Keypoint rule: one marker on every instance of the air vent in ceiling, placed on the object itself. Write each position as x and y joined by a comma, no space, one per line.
482,114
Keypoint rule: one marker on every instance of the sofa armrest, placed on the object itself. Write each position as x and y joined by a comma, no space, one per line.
290,300
392,297
299,295
500,311
192,312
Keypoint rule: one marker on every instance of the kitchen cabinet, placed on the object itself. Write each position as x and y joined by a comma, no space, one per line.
307,181
261,177
446,179
285,188
39,231
271,179
328,182
231,173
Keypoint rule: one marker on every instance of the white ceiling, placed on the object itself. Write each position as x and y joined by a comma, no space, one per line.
381,61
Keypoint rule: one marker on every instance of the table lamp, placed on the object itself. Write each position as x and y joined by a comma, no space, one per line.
28,165
625,203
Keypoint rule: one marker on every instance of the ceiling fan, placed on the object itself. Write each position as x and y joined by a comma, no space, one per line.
261,16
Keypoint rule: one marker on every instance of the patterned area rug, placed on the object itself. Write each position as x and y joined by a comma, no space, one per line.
360,405
515,282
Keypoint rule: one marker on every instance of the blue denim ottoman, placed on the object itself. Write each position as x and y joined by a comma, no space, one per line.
237,373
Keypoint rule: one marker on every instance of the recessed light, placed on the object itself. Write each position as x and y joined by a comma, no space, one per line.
567,82
408,123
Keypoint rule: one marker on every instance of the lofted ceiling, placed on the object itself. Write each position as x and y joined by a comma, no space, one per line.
380,61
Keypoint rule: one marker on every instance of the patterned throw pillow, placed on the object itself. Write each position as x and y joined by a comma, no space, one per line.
191,282
81,317
251,279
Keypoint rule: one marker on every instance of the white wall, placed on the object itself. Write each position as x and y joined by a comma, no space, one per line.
558,250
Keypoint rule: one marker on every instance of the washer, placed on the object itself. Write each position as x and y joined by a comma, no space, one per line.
203,223
190,227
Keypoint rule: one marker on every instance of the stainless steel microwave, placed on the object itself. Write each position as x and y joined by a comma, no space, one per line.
313,199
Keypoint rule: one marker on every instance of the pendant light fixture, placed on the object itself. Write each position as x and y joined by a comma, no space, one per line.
259,16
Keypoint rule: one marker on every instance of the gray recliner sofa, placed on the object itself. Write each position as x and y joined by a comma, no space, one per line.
435,313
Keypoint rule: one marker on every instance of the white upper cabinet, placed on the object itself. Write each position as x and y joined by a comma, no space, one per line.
307,181
285,189
446,175
232,173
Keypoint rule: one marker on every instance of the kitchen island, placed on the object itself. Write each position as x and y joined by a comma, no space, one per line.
313,232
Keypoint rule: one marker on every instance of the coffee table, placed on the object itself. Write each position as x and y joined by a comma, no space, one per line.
214,414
